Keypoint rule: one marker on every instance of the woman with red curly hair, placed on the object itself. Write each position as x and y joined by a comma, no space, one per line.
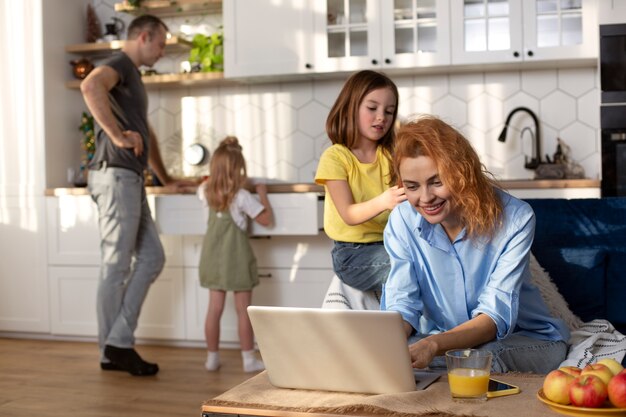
460,250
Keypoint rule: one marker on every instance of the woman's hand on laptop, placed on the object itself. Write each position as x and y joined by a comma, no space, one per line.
422,352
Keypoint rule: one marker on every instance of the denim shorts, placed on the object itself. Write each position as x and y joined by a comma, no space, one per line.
364,266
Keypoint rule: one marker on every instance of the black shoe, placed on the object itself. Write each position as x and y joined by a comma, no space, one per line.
110,366
127,359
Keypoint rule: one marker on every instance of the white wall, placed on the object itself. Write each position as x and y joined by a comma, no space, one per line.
23,283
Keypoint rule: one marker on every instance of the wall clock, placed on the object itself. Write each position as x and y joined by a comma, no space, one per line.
196,154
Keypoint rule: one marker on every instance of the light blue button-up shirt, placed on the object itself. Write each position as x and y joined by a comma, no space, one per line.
437,284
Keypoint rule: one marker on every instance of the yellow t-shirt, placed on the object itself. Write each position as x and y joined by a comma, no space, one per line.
366,182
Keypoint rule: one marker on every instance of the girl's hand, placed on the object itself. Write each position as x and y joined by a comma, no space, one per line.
261,189
422,352
393,196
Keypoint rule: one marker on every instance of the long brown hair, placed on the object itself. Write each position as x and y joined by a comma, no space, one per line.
227,174
342,122
472,187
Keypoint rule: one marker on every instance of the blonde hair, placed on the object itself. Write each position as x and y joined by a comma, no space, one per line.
227,174
472,187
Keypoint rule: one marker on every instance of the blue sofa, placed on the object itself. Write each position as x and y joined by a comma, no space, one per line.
581,243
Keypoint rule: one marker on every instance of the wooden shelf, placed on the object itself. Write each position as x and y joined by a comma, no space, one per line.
173,43
165,80
171,7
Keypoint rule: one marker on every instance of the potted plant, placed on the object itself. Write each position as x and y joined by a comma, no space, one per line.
207,53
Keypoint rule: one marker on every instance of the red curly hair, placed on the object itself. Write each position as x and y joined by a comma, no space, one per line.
472,187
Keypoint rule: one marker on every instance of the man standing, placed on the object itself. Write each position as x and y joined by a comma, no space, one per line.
132,254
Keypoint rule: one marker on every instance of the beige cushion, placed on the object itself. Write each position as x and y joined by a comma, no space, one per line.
550,293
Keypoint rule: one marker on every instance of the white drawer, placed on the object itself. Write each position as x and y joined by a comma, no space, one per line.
293,251
180,215
294,214
274,251
292,287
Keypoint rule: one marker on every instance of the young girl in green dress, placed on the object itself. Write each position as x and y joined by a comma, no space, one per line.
227,262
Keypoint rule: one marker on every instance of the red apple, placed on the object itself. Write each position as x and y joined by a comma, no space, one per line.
588,391
601,371
556,386
617,390
572,370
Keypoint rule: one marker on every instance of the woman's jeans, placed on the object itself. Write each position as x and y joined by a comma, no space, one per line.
364,266
516,353
132,254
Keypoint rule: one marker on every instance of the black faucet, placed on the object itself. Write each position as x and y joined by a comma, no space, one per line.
535,160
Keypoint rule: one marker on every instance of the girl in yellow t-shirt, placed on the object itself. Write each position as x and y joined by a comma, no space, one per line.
357,178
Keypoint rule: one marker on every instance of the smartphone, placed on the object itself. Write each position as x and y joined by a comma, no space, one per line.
500,389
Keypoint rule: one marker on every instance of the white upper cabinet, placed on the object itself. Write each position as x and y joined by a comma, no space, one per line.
612,12
267,37
504,31
359,34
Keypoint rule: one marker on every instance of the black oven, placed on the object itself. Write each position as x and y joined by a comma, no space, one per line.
613,121
613,109
613,63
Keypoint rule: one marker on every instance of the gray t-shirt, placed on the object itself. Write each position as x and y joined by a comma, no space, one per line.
129,103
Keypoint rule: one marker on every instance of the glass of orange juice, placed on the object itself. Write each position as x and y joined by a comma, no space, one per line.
468,374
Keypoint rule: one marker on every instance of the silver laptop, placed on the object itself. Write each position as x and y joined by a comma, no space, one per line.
362,351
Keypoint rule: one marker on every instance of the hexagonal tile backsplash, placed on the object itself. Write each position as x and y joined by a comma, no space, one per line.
281,124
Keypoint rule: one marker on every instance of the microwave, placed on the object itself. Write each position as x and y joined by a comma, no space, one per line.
613,63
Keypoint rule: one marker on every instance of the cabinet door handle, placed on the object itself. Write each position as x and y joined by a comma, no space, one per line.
531,53
516,54
374,61
387,61
268,275
260,237
308,66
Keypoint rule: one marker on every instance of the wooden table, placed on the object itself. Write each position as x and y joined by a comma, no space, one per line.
257,397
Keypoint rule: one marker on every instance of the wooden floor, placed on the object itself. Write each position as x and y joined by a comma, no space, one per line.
50,378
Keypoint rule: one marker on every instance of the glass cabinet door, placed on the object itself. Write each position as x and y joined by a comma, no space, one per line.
347,34
490,31
561,29
486,31
415,33
357,34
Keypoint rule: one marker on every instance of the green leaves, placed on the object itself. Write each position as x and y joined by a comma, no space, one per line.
208,52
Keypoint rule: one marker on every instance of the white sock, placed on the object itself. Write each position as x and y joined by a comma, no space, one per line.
212,361
250,362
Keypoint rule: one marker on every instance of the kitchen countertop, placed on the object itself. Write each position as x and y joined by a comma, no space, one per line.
314,188
271,188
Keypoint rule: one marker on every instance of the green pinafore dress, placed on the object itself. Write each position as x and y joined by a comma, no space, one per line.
227,261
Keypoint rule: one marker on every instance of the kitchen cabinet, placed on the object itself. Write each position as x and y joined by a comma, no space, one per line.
357,34
612,12
170,8
505,31
294,269
294,214
73,271
265,37
73,304
306,37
